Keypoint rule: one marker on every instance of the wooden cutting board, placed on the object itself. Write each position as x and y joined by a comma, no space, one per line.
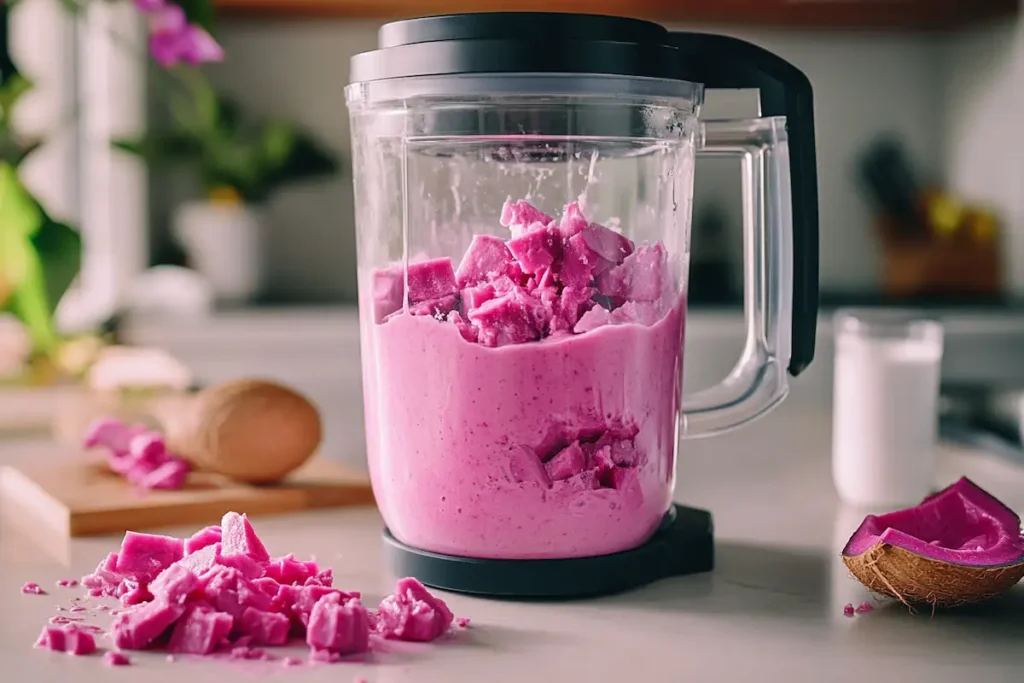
84,498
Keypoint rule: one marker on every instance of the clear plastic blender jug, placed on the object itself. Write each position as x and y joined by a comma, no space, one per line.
523,187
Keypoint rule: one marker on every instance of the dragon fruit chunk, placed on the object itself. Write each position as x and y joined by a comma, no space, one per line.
573,221
513,318
202,538
386,292
430,280
239,538
412,613
486,259
70,639
465,328
138,627
265,628
338,625
517,215
200,630
642,276
143,556
32,588
606,243
288,570
958,546
568,462
435,308
113,658
537,248
170,476
174,584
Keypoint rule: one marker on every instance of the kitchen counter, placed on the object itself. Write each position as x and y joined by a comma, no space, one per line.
770,611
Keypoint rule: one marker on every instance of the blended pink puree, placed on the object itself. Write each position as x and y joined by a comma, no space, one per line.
524,405
457,469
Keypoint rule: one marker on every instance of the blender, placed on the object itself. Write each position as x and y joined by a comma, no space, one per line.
523,191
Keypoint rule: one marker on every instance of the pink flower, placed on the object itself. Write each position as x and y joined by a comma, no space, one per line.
173,40
199,47
148,6
168,19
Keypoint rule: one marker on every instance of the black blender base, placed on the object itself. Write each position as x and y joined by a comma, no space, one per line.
682,545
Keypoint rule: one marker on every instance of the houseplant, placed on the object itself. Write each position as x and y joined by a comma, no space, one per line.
239,162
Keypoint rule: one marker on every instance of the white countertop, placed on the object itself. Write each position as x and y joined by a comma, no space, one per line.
770,611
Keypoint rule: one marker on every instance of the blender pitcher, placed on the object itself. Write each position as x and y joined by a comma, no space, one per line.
523,192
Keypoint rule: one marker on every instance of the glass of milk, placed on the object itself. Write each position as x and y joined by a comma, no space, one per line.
885,406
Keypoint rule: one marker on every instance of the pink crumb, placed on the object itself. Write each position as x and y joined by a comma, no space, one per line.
848,609
170,658
67,583
291,661
359,679
112,658
77,608
864,607
32,588
462,622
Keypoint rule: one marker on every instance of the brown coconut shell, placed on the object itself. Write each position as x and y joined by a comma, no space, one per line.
916,580
251,430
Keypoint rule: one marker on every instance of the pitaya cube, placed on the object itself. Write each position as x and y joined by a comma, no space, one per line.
580,263
596,317
386,291
143,556
640,312
573,221
323,578
239,538
642,276
620,452
229,591
465,328
289,570
536,249
429,280
572,304
202,538
486,259
170,476
111,434
474,297
265,628
138,627
513,318
200,630
112,658
606,243
70,639
412,613
267,585
249,568
587,480
135,593
149,448
306,597
174,584
543,279
338,624
105,579
568,462
436,308
202,560
521,214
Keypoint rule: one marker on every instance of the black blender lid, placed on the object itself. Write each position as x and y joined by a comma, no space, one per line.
518,42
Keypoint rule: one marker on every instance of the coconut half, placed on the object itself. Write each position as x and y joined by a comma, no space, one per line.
958,546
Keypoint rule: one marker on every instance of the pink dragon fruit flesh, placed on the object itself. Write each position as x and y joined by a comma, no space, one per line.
958,546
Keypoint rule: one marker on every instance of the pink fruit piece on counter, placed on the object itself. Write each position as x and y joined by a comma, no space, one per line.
143,556
606,243
174,584
520,214
201,560
202,538
112,658
339,625
431,280
537,248
386,289
306,597
111,434
462,622
200,630
134,593
486,259
513,318
227,590
32,588
138,627
289,570
570,461
239,538
70,639
265,628
105,580
848,609
249,568
642,276
67,583
412,613
170,476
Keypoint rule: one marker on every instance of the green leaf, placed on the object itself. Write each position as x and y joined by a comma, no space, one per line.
19,213
28,303
201,12
59,248
163,148
12,90
278,143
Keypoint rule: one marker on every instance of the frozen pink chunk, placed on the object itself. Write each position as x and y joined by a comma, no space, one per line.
386,292
174,584
587,480
521,214
143,556
239,538
111,434
436,308
573,221
486,259
134,593
537,248
289,570
169,476
265,628
606,243
200,630
591,320
572,304
105,580
510,319
465,328
70,639
567,462
227,590
412,613
201,560
580,263
137,628
306,597
32,588
475,297
429,280
202,538
112,658
642,276
340,625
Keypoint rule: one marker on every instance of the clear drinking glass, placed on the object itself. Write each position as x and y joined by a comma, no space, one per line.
534,414
885,405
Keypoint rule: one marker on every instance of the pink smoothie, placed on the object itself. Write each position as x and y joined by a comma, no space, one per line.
525,404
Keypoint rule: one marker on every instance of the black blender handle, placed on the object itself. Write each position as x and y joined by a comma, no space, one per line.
724,62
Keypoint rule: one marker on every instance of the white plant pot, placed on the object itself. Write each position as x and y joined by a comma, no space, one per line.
223,243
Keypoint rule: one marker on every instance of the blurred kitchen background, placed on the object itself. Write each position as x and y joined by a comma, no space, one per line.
921,176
